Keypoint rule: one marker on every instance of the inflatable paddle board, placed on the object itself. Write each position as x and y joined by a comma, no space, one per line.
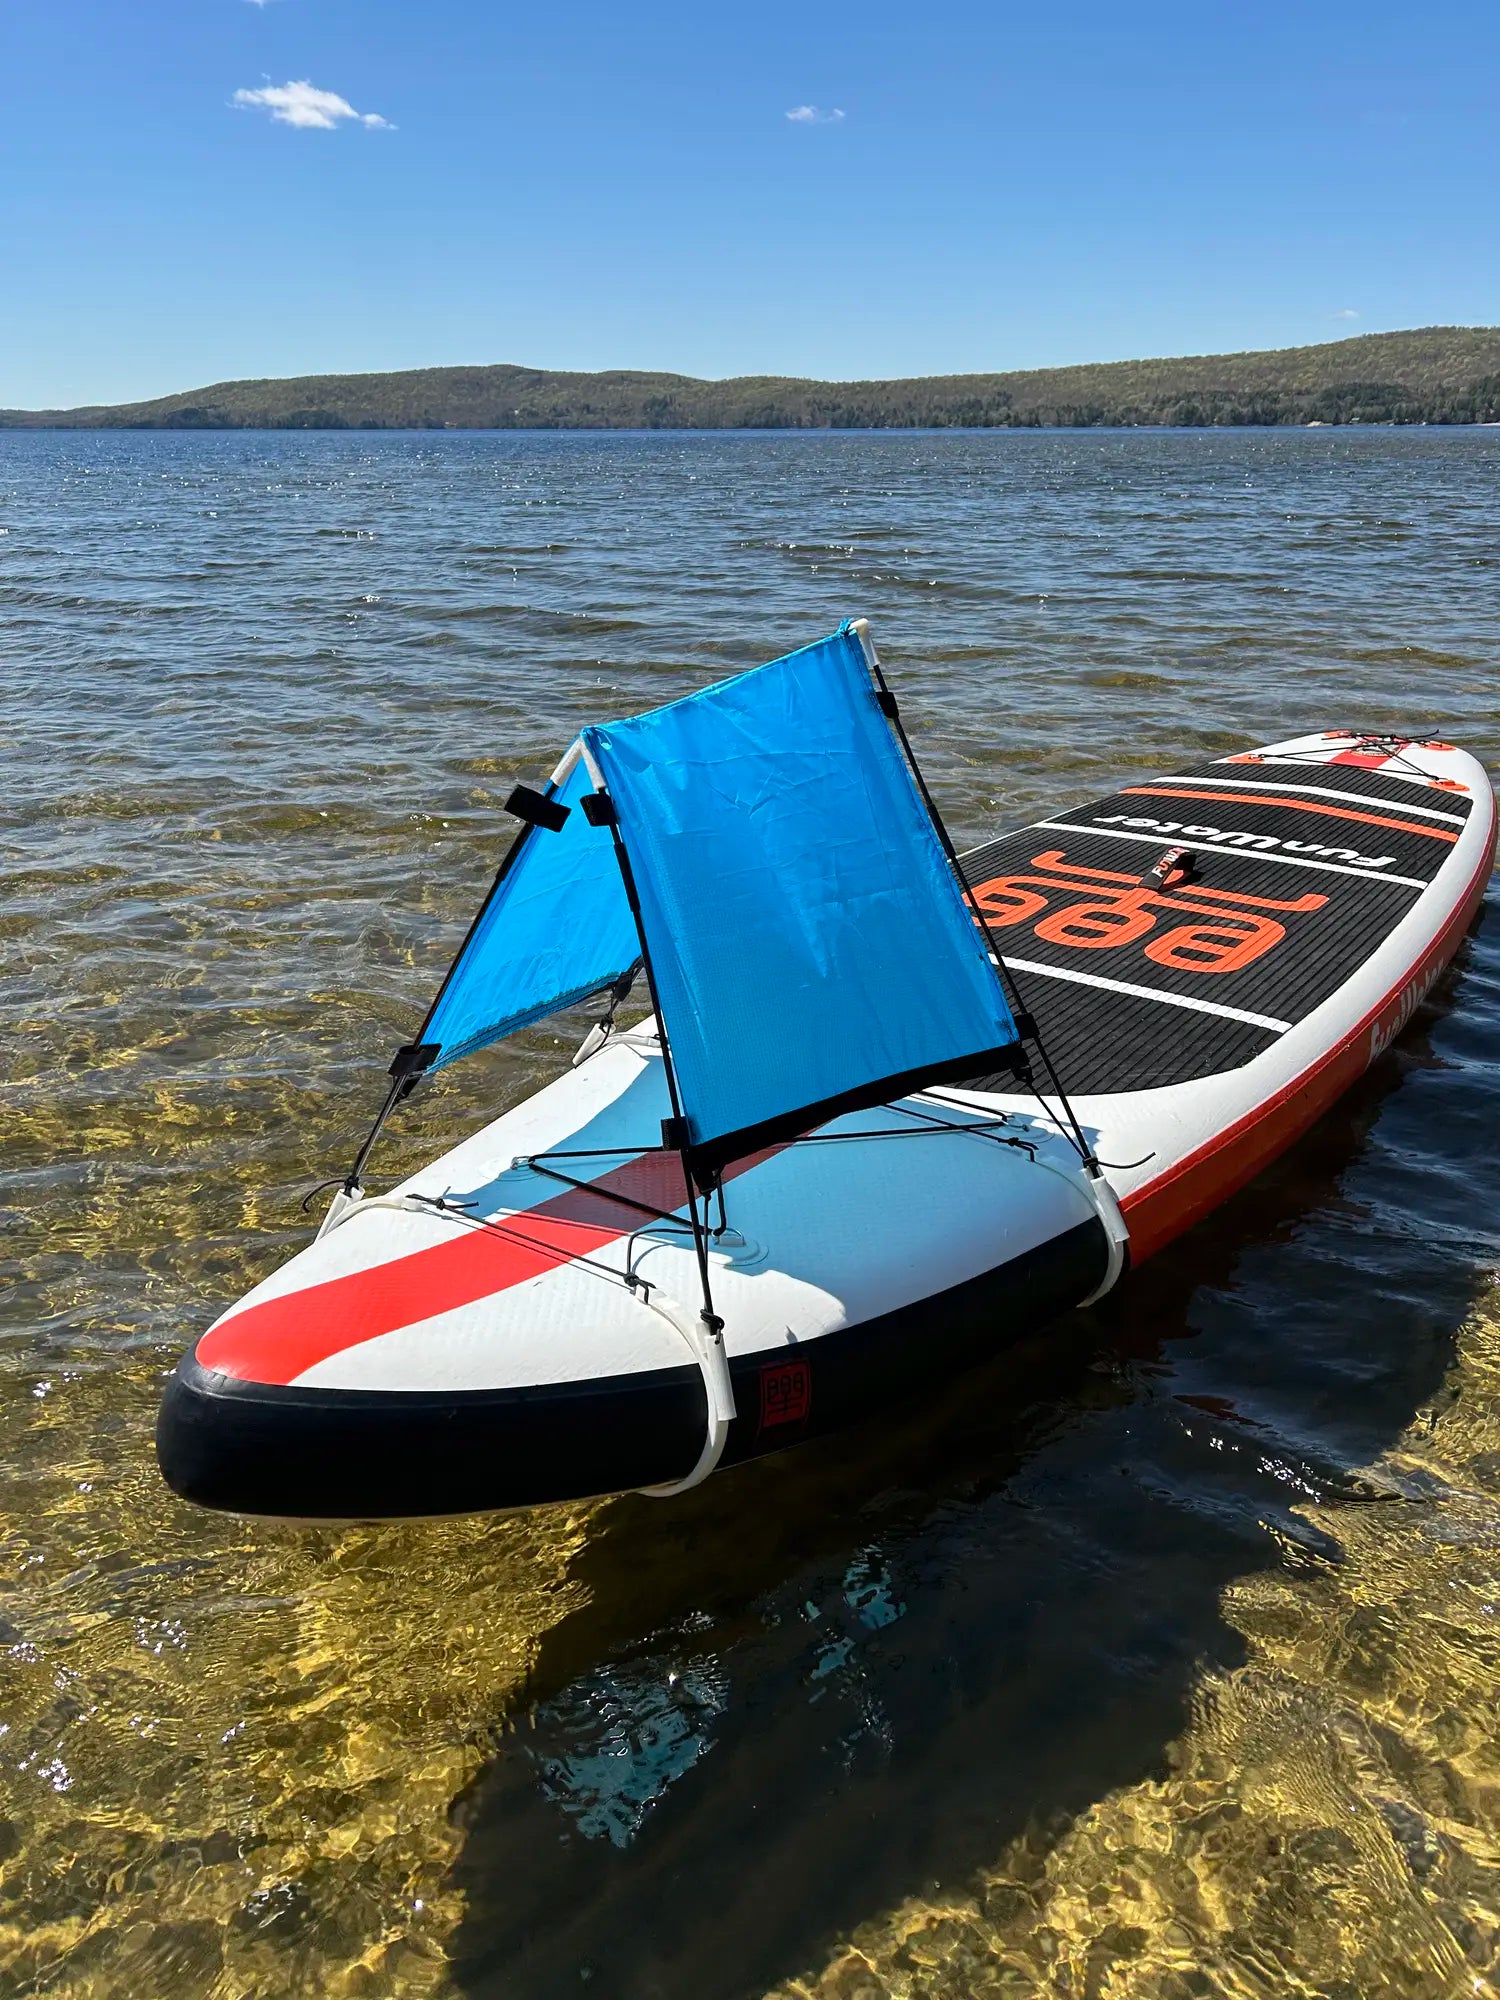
1211,958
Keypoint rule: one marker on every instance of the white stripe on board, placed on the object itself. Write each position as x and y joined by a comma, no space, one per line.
1147,993
1212,847
1319,792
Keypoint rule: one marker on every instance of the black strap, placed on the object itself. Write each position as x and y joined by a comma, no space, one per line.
537,809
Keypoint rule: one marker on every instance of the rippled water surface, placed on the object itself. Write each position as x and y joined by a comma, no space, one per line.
1162,1660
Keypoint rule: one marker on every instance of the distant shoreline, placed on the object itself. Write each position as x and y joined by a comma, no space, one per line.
1447,376
808,431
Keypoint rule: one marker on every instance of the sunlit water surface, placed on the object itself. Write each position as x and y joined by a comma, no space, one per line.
1161,1660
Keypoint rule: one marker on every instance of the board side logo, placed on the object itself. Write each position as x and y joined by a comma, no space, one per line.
1396,1017
785,1393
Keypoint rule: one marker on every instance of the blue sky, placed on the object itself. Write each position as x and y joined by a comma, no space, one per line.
582,185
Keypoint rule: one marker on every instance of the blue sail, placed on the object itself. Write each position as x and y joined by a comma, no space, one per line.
809,945
556,928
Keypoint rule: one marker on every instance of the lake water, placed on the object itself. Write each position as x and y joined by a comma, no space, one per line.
1159,1661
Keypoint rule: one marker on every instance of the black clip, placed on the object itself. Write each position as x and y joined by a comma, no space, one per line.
410,1063
674,1134
413,1059
598,808
537,809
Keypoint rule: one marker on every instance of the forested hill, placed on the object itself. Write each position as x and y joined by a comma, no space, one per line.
1437,375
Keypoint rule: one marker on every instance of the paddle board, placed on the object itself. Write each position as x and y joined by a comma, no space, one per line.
1211,958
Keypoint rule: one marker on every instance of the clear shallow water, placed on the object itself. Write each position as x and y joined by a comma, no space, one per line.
1160,1661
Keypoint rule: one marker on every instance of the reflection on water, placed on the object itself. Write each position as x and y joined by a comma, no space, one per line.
1158,1660
612,1744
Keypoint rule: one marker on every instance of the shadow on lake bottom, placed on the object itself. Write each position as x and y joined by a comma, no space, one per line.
854,1674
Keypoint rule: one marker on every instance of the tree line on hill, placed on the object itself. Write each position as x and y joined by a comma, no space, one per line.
1348,403
1434,375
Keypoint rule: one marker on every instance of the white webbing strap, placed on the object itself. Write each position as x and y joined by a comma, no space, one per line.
1107,1205
707,1344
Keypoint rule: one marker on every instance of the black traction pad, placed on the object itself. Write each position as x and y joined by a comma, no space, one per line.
1389,788
1291,891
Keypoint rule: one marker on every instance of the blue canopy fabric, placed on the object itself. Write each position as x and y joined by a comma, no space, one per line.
556,927
810,948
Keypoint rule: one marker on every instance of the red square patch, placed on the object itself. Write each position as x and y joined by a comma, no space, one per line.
785,1393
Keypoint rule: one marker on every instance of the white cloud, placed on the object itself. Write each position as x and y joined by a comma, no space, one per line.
303,105
810,114
1346,312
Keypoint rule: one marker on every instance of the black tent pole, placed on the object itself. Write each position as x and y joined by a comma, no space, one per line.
354,1179
599,810
891,710
410,1062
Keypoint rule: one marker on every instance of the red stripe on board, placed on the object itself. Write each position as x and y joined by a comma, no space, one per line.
1296,805
280,1339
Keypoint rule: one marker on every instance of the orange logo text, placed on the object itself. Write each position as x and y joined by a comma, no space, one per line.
1094,909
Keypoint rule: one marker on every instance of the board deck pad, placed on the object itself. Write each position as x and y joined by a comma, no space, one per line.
1320,775
1301,869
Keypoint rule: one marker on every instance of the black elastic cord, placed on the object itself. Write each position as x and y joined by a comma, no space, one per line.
604,1194
619,993
982,1128
511,1232
1394,753
932,1129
